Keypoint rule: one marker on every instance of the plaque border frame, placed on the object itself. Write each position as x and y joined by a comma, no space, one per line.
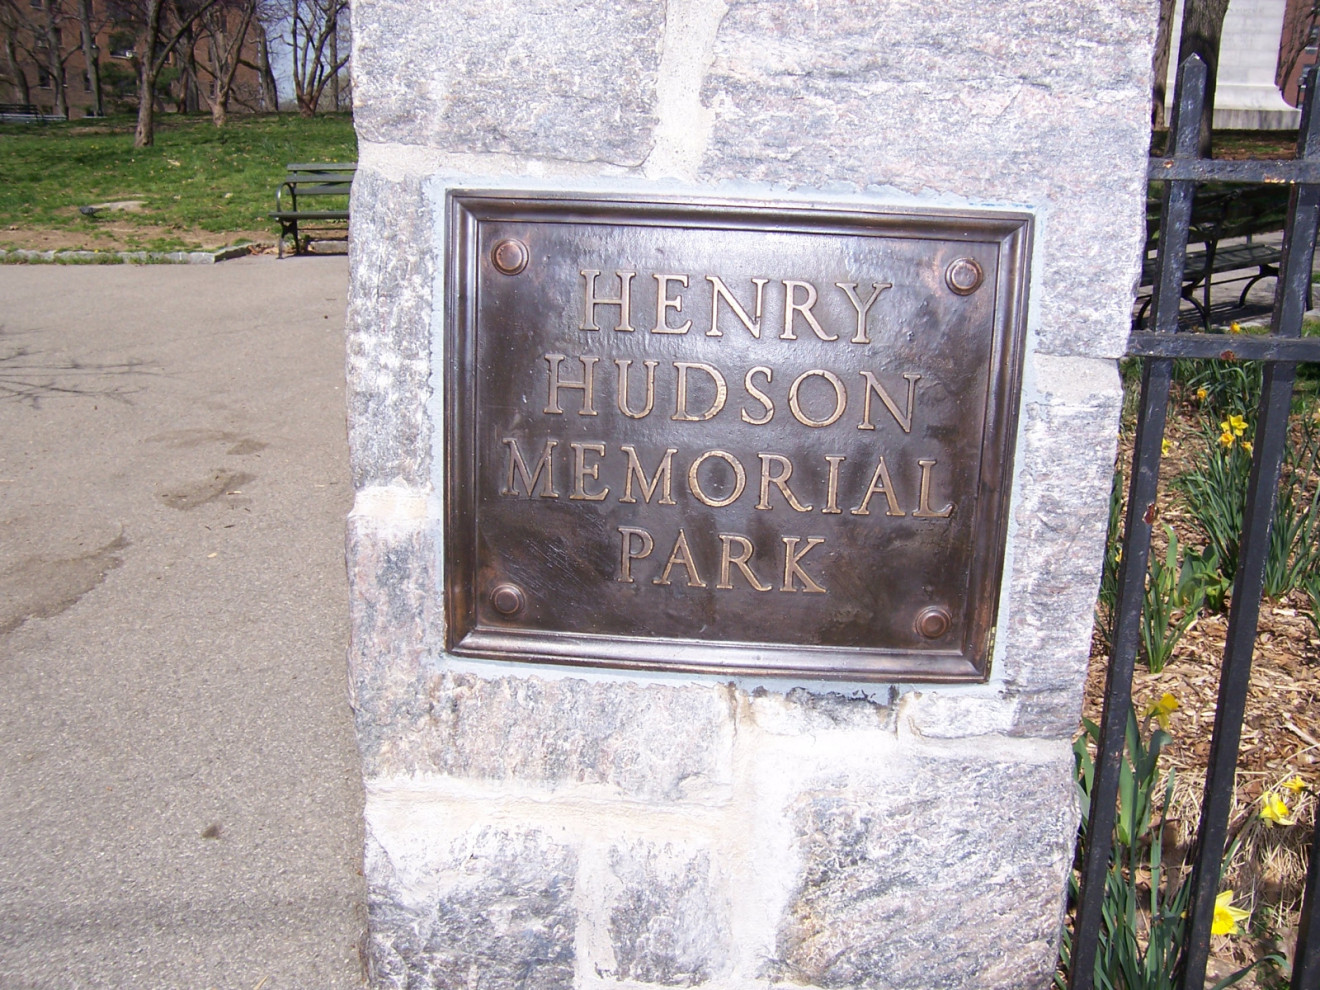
467,208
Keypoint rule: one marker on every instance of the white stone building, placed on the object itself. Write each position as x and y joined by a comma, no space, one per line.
1246,96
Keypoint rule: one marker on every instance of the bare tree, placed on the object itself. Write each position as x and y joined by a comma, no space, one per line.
49,43
12,22
269,92
224,46
157,51
314,31
89,55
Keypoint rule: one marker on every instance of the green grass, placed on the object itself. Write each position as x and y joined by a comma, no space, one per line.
201,185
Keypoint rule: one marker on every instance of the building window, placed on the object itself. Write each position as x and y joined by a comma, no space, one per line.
87,82
43,78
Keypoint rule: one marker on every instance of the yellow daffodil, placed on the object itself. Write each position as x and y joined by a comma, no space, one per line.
1274,809
1201,394
1162,709
1226,440
1246,445
1235,327
1165,446
1295,784
1238,424
1227,917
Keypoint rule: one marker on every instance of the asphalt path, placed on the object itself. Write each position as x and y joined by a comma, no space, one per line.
180,803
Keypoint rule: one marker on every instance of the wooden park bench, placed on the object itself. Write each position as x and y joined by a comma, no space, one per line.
1234,229
330,184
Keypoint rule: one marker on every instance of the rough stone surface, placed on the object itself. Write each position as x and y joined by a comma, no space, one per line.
393,600
538,78
929,880
1060,513
498,913
571,731
669,925
1043,104
389,332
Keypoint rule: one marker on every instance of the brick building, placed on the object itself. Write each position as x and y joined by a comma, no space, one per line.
44,59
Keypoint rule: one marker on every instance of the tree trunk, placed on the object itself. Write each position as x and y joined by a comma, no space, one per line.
15,71
189,91
89,56
1160,66
334,58
145,135
1202,26
225,57
270,95
54,63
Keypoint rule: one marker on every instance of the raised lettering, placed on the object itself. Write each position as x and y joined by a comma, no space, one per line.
739,476
793,567
792,306
662,473
759,396
582,471
881,484
861,336
587,385
627,553
681,554
544,470
718,291
832,486
663,303
840,398
742,562
591,300
623,365
872,385
779,480
923,499
681,413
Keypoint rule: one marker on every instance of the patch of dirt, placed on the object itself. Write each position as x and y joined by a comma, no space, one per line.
109,235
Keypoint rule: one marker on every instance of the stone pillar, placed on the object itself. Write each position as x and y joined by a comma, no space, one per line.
540,826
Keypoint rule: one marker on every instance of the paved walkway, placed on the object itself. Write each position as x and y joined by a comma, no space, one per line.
180,803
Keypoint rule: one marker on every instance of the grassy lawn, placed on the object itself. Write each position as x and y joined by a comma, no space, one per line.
198,186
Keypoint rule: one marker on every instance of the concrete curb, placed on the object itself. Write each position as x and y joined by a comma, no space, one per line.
22,256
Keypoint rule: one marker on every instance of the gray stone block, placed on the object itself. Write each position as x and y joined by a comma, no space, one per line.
570,731
799,711
389,332
573,82
1060,514
1039,104
394,623
949,875
669,925
501,915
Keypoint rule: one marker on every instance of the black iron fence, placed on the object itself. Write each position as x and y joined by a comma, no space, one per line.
1280,351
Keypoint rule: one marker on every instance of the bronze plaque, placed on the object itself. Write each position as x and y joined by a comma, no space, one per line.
729,438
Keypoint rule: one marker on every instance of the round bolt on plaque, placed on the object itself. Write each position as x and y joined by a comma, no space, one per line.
964,276
508,599
510,256
934,621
